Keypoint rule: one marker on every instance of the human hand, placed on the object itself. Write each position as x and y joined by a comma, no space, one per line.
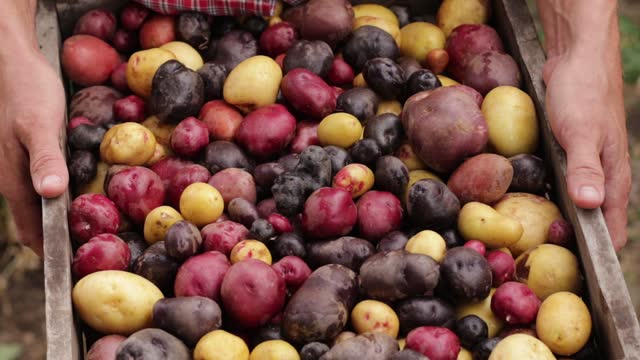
32,109
586,109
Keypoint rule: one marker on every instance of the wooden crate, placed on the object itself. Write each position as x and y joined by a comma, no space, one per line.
615,323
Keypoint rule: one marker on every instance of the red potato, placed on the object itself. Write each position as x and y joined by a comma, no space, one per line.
189,137
503,267
379,213
515,303
308,93
488,70
119,78
266,207
157,31
306,135
233,183
125,41
252,293
223,236
465,42
136,191
340,73
133,15
280,60
483,178
168,167
95,103
267,131
202,275
293,270
105,348
77,121
102,252
87,60
560,233
280,223
436,343
187,175
129,109
91,215
221,119
100,23
329,21
477,97
329,212
477,246
277,39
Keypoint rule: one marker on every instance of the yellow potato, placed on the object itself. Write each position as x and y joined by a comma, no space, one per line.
521,346
482,310
477,221
427,242
381,23
250,249
548,269
505,250
141,68
95,186
402,343
389,106
464,354
564,323
339,129
158,222
377,11
221,345
453,13
275,20
415,176
127,144
240,87
375,316
201,204
115,302
162,131
359,81
408,156
511,118
535,213
185,54
446,81
274,350
418,38
355,178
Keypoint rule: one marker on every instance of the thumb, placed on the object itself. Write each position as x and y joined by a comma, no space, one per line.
48,167
585,177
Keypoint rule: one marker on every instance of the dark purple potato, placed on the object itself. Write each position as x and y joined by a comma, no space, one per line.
158,267
289,162
265,333
235,47
339,158
431,205
95,103
242,211
288,244
385,77
213,75
152,344
421,80
266,207
193,28
136,243
220,155
360,102
452,238
483,350
409,65
313,351
176,92
316,163
491,69
369,42
125,42
86,137
261,230
290,190
471,330
265,174
424,311
386,130
100,23
133,15
222,25
391,175
329,212
315,56
277,39
255,25
408,354
365,152
83,167
186,176
465,276
402,13
182,240
347,251
395,240
529,174
188,318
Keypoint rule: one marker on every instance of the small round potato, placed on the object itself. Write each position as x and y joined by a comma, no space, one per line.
127,144
564,323
427,242
355,178
158,222
359,81
274,350
419,38
162,131
142,67
201,204
221,345
446,81
250,249
185,54
521,346
483,310
115,302
415,176
408,156
389,106
372,315
339,129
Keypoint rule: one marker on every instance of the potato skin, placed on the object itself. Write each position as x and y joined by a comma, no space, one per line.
370,346
521,346
431,205
564,323
419,311
153,344
220,344
484,178
87,60
453,13
466,275
327,20
95,103
488,70
188,318
347,251
320,309
395,275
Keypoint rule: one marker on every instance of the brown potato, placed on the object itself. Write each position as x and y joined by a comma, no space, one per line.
484,178
326,20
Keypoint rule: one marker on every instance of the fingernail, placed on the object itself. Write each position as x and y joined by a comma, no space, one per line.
589,193
50,181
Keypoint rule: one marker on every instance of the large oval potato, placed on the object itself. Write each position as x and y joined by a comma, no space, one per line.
238,88
564,323
115,302
481,222
189,318
512,121
458,12
142,67
87,60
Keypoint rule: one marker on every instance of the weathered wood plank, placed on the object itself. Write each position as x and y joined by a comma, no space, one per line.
614,318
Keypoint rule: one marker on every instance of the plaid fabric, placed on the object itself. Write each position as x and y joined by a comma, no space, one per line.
216,7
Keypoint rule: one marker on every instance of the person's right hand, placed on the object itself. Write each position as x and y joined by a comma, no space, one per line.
32,107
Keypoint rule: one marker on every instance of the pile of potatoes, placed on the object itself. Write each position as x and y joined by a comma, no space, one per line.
336,181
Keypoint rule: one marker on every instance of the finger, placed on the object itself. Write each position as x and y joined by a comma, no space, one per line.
585,178
617,187
48,168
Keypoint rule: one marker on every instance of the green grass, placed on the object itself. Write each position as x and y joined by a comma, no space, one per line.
630,44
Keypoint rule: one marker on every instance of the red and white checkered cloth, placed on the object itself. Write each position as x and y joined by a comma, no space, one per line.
216,7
